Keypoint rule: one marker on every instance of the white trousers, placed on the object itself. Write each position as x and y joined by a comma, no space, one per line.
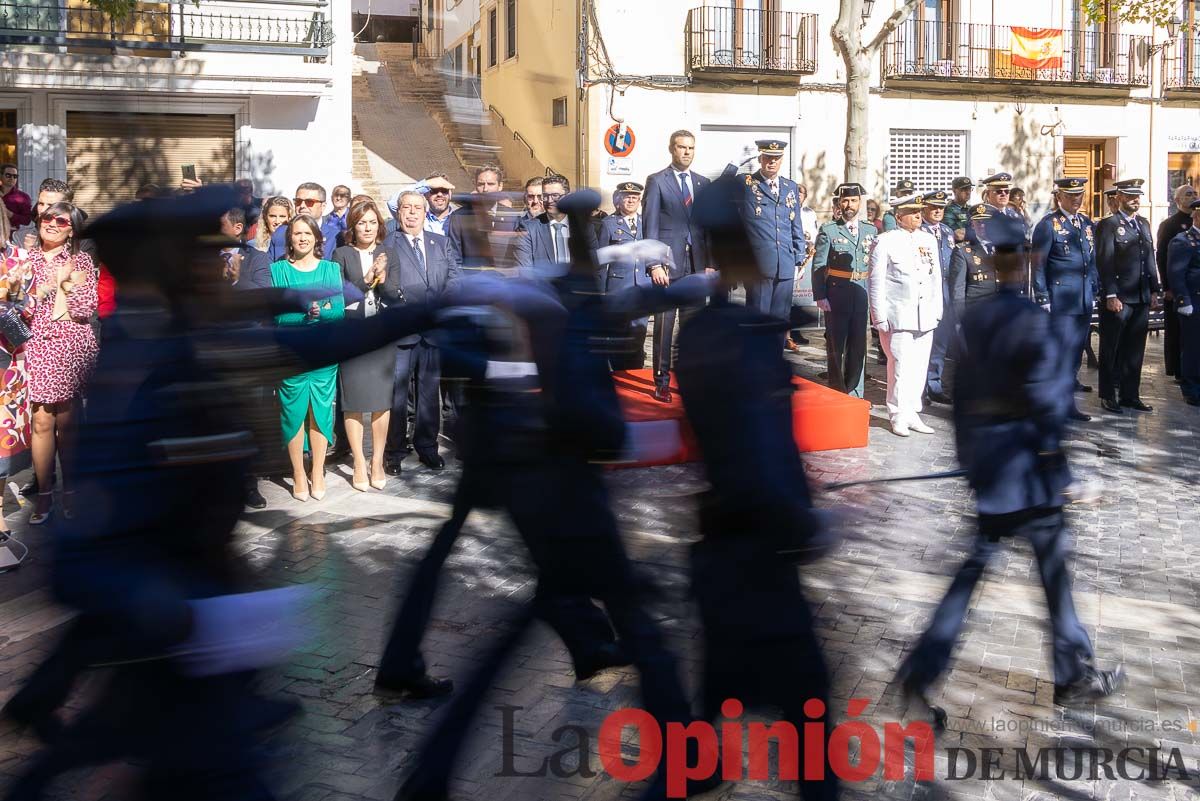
907,368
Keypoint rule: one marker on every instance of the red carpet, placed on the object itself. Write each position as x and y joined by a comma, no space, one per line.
822,420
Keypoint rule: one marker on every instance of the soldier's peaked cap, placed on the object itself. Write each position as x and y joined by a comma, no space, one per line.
849,190
1130,186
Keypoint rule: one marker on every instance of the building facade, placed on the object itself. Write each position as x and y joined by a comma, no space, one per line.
964,87
256,88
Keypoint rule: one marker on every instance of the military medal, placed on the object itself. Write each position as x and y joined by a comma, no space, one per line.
790,200
749,180
1120,230
758,211
792,215
978,261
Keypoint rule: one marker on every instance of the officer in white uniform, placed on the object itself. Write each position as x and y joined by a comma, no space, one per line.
904,288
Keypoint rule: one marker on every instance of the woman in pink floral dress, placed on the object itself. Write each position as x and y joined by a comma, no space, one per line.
15,280
62,351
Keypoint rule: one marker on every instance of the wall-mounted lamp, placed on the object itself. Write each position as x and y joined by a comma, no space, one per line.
868,7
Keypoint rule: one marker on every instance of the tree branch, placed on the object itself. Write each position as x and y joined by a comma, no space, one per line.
843,31
889,25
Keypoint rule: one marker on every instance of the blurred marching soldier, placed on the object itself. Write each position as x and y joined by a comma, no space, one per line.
1125,261
775,232
932,212
839,284
904,288
1183,261
997,191
756,522
1010,405
1168,229
1064,274
958,211
619,228
972,274
903,188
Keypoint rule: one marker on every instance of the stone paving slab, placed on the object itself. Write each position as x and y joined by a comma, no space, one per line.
1136,589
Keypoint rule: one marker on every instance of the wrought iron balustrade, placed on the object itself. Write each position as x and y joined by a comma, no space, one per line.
751,40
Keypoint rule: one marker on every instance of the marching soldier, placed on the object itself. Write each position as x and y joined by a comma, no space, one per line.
933,210
772,213
958,211
997,191
903,188
1064,274
1183,261
1128,275
972,272
621,227
840,289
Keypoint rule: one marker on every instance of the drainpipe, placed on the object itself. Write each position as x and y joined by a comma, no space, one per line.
581,93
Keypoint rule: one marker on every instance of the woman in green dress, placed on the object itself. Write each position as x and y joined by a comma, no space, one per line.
307,399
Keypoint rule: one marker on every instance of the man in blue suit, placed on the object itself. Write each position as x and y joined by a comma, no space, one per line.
1065,279
245,267
425,271
310,202
1183,262
667,211
772,215
933,209
621,227
1010,406
546,239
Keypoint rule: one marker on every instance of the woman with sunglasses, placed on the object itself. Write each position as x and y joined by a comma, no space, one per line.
62,351
873,215
15,282
276,211
306,400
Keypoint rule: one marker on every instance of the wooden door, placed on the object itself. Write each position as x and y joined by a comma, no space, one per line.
1084,158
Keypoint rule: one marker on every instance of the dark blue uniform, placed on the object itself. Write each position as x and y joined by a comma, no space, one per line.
1065,278
777,241
1183,263
946,332
1010,407
840,277
615,230
1125,262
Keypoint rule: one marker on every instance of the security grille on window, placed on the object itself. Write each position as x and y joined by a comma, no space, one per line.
930,159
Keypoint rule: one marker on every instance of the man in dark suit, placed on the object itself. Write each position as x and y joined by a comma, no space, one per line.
933,211
1064,273
620,228
1168,229
1011,400
667,212
425,270
245,267
1129,280
546,240
468,225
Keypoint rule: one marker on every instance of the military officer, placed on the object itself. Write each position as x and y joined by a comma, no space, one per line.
958,211
1129,278
903,188
840,289
933,210
1110,201
1063,261
622,226
972,270
1183,264
772,212
997,190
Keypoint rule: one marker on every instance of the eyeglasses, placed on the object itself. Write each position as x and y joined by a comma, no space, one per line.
552,195
1002,191
539,197
61,222
10,175
341,196
439,191
310,202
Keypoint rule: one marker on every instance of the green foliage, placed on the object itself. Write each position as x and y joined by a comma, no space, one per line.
1155,11
117,9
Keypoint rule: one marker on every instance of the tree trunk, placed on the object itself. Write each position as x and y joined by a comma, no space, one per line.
858,88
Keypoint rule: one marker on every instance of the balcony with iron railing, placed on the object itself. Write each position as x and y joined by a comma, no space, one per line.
1181,65
742,41
302,27
937,52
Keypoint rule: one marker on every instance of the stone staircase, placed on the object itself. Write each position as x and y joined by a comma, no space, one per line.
361,165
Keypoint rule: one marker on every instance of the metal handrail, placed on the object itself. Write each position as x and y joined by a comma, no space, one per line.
516,136
939,50
721,39
171,26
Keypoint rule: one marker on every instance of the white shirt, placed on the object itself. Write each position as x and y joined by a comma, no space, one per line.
419,241
690,183
365,260
904,282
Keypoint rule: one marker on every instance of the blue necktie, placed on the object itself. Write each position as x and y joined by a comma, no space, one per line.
419,256
687,192
560,243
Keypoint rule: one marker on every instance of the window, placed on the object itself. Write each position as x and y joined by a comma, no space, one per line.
558,114
8,136
930,159
492,46
510,28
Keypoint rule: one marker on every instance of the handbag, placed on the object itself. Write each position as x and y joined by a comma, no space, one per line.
13,325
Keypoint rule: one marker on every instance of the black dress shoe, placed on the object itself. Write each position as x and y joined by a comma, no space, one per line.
1111,406
254,498
1094,685
662,394
1082,387
432,460
1075,414
424,686
393,467
1138,405
609,655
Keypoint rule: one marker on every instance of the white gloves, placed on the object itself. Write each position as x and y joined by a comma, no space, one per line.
823,305
1045,307
1186,311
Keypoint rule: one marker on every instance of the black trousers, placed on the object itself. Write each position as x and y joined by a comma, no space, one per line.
424,361
1171,339
635,357
580,624
583,554
1122,348
664,351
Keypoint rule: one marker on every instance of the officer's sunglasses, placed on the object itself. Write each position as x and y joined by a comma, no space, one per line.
310,202
552,195
1002,191
10,175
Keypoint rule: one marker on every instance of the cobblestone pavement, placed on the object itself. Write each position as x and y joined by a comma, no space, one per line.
1136,579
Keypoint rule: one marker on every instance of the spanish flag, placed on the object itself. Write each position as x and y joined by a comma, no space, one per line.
1037,48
